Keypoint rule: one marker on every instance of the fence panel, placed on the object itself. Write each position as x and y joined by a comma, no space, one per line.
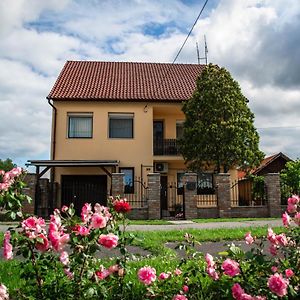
175,200
244,192
139,198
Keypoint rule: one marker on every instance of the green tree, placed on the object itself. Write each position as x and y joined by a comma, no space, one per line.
290,176
7,164
219,127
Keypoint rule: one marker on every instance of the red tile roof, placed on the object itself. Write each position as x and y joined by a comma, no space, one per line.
126,81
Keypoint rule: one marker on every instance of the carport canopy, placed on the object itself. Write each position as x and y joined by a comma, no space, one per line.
48,164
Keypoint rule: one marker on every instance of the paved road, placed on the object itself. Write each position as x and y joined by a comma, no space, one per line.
192,225
182,225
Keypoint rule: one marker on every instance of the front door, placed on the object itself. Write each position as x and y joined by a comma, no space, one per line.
164,195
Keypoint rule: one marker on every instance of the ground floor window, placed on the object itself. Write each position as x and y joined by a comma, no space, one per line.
128,180
205,184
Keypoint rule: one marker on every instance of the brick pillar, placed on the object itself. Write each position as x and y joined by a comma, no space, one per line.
117,184
224,197
154,211
190,190
272,182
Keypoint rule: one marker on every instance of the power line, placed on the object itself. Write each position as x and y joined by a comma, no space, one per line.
190,32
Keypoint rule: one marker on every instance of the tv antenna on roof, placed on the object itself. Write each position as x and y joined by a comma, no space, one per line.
205,52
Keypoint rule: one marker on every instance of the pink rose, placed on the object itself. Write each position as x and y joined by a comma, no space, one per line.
81,230
282,240
68,272
113,269
86,212
248,238
64,208
297,218
147,275
179,297
289,273
3,292
7,246
271,236
185,288
293,200
209,260
163,276
286,219
237,291
42,246
109,240
230,267
34,226
274,269
102,273
177,272
292,208
64,258
278,285
212,273
98,221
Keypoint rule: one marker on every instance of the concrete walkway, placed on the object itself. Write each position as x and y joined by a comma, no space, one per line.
183,225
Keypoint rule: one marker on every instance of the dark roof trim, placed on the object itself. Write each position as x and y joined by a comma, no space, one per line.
72,163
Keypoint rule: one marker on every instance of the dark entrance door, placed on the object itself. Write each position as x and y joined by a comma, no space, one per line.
163,195
81,189
158,137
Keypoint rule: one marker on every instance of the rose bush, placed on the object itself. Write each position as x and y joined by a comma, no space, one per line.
60,259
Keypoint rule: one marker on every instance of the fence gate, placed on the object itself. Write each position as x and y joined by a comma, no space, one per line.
137,194
172,200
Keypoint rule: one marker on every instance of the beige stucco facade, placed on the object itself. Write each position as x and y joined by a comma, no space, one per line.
136,152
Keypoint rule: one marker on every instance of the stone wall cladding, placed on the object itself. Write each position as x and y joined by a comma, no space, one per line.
117,186
29,190
138,213
208,213
190,190
272,182
223,192
249,212
154,211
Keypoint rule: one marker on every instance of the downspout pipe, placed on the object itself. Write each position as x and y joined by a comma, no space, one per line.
52,201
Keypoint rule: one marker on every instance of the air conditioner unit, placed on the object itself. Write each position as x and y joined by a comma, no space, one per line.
161,167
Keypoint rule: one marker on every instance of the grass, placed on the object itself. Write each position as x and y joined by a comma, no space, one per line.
155,241
231,220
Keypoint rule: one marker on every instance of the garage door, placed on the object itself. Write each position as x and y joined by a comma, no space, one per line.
81,189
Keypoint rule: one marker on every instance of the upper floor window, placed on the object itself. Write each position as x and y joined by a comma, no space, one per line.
128,180
179,129
121,125
80,125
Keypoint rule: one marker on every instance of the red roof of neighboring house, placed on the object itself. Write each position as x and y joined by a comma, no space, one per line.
108,81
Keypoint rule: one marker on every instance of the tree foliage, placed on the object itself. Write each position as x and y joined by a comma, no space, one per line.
7,164
290,176
219,127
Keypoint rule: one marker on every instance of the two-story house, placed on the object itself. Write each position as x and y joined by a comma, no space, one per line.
117,117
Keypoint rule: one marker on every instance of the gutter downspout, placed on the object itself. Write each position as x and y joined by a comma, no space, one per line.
52,201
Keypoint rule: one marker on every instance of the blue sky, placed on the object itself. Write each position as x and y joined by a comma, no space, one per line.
256,40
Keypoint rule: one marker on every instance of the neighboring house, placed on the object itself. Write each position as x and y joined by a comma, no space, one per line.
118,117
271,164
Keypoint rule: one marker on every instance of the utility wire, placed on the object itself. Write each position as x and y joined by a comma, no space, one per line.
277,127
190,32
